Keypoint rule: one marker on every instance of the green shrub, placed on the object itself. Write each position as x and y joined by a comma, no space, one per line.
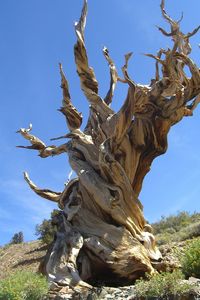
189,232
185,233
177,228
191,259
176,222
162,286
23,285
17,238
164,238
47,229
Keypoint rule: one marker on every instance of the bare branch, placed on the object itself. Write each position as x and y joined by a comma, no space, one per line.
192,66
44,193
113,76
86,73
125,67
60,137
173,23
181,40
54,150
157,58
159,54
122,120
190,34
194,104
165,32
73,117
80,26
37,144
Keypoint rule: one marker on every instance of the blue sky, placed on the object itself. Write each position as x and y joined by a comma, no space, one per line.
35,36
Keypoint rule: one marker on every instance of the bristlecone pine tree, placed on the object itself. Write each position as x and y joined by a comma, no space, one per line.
101,228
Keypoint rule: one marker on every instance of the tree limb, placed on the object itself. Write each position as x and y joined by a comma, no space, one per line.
86,74
113,77
44,193
73,117
37,144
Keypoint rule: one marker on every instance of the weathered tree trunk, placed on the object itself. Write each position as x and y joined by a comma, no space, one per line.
101,227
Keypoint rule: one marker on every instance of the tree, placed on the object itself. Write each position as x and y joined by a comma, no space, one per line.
17,238
102,229
47,229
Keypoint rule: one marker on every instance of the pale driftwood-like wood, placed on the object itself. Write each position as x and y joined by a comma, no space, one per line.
101,228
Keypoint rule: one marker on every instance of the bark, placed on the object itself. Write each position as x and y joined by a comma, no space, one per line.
101,227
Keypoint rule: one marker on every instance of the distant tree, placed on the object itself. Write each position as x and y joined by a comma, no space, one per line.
47,229
17,238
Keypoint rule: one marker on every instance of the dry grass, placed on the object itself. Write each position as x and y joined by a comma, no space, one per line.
25,256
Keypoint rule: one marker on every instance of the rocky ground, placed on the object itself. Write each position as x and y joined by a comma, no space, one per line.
29,255
124,293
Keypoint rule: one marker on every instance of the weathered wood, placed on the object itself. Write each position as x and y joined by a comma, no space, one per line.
44,193
101,228
113,76
73,117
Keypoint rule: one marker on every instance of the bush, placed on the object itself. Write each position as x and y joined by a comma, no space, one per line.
17,238
185,233
23,285
47,229
176,228
164,238
189,232
162,286
191,259
176,222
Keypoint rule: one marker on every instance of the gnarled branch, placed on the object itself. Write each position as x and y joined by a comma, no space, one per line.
113,76
73,117
37,144
44,193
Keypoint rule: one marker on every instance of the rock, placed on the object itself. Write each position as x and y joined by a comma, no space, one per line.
194,280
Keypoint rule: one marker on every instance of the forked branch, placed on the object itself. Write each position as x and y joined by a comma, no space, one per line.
37,144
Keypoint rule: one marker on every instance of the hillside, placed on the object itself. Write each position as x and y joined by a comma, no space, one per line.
27,256
21,257
176,228
173,233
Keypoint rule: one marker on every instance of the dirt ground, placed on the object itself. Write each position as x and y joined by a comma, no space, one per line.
25,256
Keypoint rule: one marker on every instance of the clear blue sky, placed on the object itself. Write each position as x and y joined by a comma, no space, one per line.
38,34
